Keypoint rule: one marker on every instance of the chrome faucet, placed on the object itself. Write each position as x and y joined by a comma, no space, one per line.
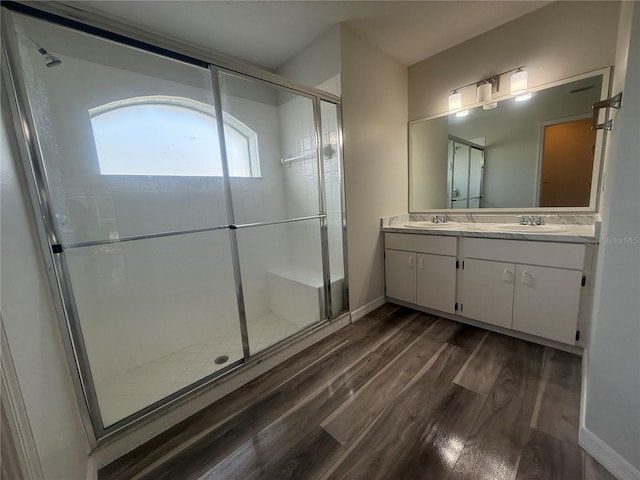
531,220
439,219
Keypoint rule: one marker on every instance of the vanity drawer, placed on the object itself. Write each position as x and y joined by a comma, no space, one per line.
563,255
436,244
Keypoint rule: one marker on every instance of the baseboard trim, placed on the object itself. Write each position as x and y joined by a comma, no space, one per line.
15,419
606,456
366,309
593,445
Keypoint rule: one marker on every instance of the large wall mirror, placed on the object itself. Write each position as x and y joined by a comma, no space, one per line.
539,153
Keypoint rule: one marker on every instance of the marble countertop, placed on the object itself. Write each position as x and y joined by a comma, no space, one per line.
558,228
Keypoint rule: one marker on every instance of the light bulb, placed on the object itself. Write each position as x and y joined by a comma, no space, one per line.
523,98
462,113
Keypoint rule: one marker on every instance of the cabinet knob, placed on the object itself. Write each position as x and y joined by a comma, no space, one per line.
412,261
421,264
507,276
527,279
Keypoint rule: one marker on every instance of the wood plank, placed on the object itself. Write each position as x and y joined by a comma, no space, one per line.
310,458
264,449
493,449
468,337
440,443
594,471
220,444
547,458
480,371
392,436
347,422
557,409
417,325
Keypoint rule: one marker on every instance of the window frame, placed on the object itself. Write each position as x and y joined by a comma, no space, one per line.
229,120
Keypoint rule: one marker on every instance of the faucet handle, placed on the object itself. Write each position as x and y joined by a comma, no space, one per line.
539,220
435,219
523,220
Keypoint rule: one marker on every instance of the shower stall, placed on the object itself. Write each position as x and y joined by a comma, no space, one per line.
190,210
465,173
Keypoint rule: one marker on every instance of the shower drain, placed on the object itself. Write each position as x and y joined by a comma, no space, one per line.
221,359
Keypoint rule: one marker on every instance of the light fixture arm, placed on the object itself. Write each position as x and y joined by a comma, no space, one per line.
494,80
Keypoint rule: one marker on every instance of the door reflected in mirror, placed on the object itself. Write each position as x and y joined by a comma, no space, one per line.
538,153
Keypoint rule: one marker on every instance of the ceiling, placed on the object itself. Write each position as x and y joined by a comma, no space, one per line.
268,33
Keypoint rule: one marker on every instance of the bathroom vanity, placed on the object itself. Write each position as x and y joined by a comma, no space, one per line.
530,280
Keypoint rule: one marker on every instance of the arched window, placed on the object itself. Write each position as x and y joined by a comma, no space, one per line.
173,136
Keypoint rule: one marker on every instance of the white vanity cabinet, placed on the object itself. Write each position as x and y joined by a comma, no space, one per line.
421,269
536,290
488,291
532,287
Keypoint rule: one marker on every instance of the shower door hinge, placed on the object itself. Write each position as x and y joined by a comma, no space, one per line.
56,248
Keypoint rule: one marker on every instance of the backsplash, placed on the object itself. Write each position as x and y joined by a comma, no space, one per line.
556,219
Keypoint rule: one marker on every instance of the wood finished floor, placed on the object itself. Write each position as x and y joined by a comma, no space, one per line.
397,395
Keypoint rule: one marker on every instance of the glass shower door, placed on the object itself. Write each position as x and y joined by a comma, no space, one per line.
460,175
277,208
133,172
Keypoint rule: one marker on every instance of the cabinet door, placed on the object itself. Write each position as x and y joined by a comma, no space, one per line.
487,289
546,302
436,282
400,275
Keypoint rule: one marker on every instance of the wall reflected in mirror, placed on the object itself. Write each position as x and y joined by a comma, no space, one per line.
537,153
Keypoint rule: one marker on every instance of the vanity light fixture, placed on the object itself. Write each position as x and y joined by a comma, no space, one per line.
483,92
487,87
455,101
519,81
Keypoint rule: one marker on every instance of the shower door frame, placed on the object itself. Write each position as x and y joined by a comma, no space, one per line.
451,170
49,239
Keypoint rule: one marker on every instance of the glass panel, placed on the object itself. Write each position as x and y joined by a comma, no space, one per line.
156,314
281,268
460,189
129,144
476,168
128,137
333,193
284,127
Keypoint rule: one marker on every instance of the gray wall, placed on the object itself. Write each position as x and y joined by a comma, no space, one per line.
555,42
612,397
374,109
